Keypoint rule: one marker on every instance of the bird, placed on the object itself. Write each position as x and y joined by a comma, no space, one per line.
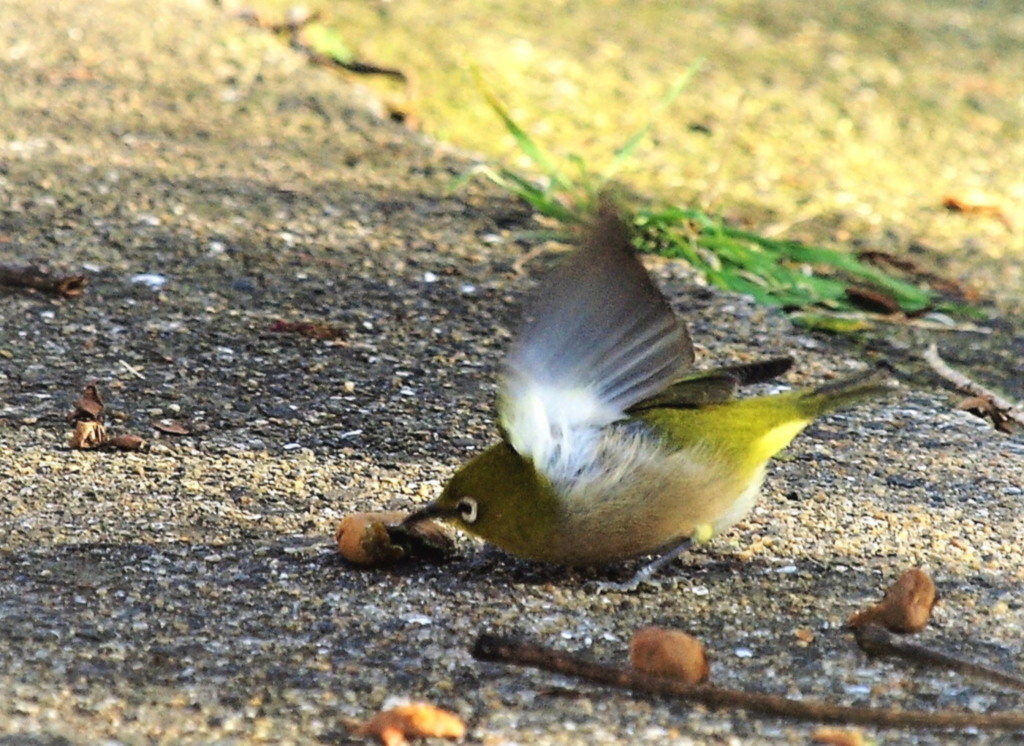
612,446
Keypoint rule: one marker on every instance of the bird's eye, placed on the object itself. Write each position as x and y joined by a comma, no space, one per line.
467,508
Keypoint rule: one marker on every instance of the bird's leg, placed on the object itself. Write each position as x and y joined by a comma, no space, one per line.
644,573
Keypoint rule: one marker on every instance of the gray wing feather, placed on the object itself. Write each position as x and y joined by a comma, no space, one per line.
597,328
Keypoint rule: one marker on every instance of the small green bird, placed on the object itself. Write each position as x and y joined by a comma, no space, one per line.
611,447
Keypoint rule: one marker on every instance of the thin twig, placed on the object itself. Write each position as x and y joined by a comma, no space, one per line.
132,369
876,640
937,326
505,650
967,386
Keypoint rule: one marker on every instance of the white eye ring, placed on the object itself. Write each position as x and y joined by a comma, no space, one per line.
467,508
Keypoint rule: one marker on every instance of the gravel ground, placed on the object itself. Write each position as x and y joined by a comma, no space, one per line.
192,594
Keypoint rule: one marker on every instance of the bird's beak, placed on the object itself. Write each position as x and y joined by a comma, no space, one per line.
429,511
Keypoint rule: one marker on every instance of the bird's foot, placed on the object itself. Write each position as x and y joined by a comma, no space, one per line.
643,575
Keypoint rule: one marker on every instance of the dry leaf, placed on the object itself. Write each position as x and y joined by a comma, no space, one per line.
669,652
872,300
126,443
985,406
88,407
89,430
906,607
977,204
417,720
88,434
170,427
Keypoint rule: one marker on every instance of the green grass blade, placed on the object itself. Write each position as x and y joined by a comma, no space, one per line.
526,143
534,195
775,272
909,296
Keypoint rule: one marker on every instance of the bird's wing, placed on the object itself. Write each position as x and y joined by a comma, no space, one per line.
713,386
598,337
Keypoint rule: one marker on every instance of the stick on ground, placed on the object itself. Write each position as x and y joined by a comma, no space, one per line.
876,640
66,286
966,385
506,650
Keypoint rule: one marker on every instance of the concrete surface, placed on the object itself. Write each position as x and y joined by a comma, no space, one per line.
192,594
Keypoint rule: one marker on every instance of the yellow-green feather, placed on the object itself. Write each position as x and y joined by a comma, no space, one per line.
518,507
724,446
751,431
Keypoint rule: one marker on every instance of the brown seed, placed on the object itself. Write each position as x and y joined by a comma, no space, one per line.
803,635
906,606
669,652
379,538
363,538
839,736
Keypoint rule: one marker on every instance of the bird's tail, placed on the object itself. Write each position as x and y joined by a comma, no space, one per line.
849,390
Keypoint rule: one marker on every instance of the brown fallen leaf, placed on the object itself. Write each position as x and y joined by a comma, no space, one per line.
1006,409
977,204
125,443
906,606
884,258
986,407
872,300
669,652
88,407
380,538
170,427
88,434
416,720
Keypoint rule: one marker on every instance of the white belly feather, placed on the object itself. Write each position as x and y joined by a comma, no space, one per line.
636,496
